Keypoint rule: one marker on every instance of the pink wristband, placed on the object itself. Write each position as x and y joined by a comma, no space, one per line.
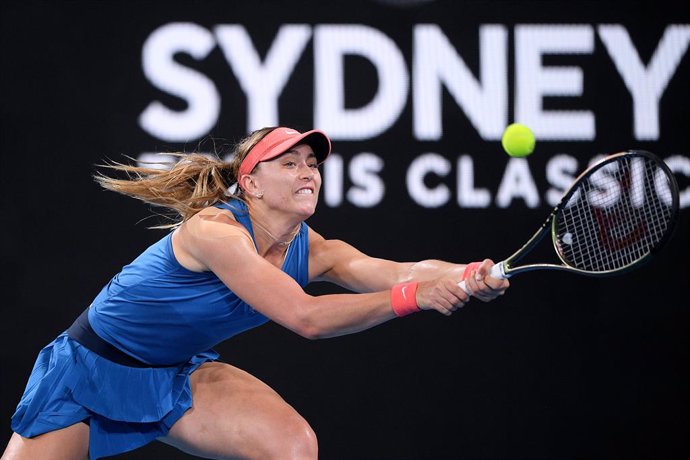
469,268
404,299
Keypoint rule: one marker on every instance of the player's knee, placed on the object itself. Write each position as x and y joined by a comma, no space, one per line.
303,443
298,441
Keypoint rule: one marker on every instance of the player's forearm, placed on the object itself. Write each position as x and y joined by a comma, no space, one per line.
375,275
431,269
341,314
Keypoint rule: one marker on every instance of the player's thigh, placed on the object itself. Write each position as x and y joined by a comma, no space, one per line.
234,414
71,443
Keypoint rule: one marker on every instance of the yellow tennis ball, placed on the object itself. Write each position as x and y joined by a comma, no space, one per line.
518,140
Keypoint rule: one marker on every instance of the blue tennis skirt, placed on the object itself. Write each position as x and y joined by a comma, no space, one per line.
126,407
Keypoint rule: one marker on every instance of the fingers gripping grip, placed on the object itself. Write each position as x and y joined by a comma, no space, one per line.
497,271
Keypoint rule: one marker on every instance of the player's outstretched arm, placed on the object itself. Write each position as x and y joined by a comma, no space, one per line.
340,263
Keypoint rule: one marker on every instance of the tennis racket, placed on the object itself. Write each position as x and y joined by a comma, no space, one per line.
615,216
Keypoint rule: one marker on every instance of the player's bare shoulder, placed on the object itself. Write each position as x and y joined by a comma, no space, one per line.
209,232
314,237
324,254
318,246
212,222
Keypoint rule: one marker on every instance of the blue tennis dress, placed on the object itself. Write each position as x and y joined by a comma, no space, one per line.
159,313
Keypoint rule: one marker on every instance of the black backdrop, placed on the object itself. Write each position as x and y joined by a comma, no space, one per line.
560,367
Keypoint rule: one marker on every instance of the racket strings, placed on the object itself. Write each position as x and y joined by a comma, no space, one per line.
616,216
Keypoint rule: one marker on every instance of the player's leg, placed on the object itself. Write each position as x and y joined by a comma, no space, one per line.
235,415
71,443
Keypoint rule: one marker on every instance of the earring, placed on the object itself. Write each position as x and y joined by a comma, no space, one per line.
259,195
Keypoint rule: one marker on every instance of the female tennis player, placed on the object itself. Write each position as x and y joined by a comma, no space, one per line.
137,365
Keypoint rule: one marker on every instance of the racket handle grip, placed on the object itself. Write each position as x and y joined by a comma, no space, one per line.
497,271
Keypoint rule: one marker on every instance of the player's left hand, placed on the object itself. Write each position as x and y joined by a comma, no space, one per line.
483,286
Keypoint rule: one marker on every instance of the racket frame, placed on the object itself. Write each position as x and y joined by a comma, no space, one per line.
505,268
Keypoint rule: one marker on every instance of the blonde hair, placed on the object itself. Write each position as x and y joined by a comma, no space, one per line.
185,187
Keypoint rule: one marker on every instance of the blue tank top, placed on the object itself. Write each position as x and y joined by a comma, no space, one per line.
161,313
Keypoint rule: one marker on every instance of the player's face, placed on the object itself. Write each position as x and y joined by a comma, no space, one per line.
291,182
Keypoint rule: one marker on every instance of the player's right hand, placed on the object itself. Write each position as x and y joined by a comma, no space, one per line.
442,294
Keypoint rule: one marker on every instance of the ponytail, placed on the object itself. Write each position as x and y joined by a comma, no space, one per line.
185,187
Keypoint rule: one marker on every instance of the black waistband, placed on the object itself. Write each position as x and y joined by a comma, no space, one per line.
82,332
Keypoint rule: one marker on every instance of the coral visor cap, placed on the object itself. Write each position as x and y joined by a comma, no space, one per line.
279,141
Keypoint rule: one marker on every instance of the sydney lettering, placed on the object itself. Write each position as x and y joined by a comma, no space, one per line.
419,88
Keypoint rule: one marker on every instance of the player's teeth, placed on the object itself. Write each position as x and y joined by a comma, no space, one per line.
305,191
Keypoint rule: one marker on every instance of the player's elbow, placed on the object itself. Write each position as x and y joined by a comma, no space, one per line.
310,333
306,322
308,329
